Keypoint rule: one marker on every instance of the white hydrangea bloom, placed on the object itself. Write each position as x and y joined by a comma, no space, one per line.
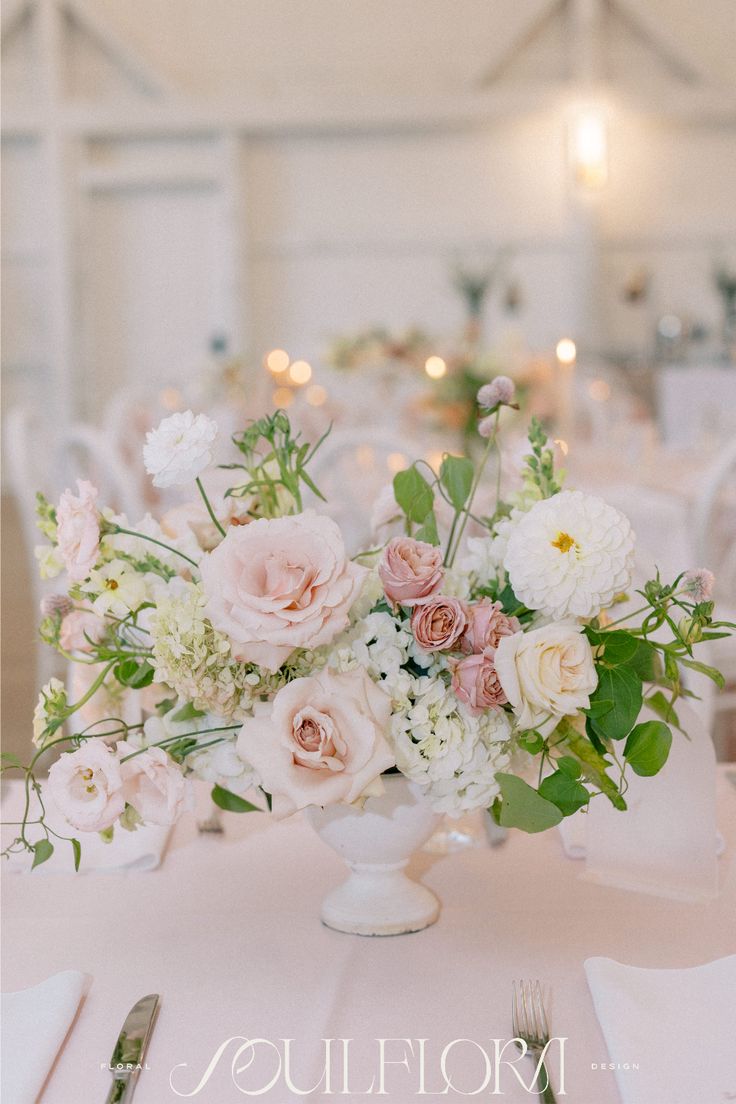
570,555
222,766
440,745
179,449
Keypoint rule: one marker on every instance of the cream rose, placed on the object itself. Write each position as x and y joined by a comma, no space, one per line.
322,741
546,673
280,584
87,786
78,530
154,785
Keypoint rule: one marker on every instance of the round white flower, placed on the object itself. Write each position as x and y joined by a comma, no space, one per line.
570,555
221,765
179,449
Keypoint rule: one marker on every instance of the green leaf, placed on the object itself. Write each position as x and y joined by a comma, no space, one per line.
599,707
662,706
456,476
565,792
623,687
187,713
428,530
77,849
711,672
645,661
134,673
569,765
593,764
413,494
531,742
647,747
231,802
9,762
618,646
42,851
522,807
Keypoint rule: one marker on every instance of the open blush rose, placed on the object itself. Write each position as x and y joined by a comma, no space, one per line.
280,584
322,741
546,674
476,683
486,624
411,571
154,785
78,530
87,786
439,623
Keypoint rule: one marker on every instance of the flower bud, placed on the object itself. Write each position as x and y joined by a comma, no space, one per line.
690,630
56,603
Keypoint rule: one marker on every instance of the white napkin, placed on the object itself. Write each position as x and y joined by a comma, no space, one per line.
677,1026
35,1023
139,850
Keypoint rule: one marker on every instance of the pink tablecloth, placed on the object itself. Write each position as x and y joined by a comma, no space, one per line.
227,930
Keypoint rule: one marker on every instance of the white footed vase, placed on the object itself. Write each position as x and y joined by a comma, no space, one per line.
377,842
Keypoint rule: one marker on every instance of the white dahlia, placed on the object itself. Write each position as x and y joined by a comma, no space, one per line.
569,555
179,449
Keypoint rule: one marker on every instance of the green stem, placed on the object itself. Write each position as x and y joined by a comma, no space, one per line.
152,540
210,511
473,490
181,736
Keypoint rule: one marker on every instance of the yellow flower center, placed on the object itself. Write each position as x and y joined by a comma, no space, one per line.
111,584
87,775
564,542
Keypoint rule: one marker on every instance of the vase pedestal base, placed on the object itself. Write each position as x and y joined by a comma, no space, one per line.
379,900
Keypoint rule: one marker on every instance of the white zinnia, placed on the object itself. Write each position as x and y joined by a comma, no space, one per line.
570,555
179,449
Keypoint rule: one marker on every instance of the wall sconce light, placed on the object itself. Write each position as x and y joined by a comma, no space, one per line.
588,148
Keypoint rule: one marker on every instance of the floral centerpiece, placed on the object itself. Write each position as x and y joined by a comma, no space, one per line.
478,661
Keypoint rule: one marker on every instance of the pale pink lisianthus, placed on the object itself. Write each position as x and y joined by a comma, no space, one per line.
322,740
87,786
439,623
487,623
78,530
476,683
280,584
154,785
78,628
411,571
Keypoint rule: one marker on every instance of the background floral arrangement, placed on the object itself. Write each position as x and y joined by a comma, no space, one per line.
235,641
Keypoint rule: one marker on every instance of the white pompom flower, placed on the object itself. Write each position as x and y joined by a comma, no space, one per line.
570,555
179,449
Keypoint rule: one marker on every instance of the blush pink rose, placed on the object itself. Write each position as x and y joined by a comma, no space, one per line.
78,530
80,627
280,584
439,623
411,571
87,786
154,785
322,740
476,683
487,623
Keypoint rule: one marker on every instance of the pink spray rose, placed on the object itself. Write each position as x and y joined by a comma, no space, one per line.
280,584
487,623
87,786
476,684
78,530
411,571
322,740
439,623
154,785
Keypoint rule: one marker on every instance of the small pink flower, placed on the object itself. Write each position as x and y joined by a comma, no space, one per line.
439,623
154,785
56,603
411,571
87,786
487,426
476,683
698,584
78,530
487,623
499,392
78,628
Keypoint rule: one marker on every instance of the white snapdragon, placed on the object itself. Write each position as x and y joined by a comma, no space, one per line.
179,449
50,563
115,588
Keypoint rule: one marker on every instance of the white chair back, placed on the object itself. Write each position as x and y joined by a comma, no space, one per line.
714,522
696,405
85,452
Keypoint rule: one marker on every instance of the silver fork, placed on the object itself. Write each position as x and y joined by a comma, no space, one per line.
529,1022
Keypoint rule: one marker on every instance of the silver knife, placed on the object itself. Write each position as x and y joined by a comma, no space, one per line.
130,1049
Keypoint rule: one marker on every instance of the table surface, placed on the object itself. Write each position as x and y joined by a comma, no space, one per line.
228,932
